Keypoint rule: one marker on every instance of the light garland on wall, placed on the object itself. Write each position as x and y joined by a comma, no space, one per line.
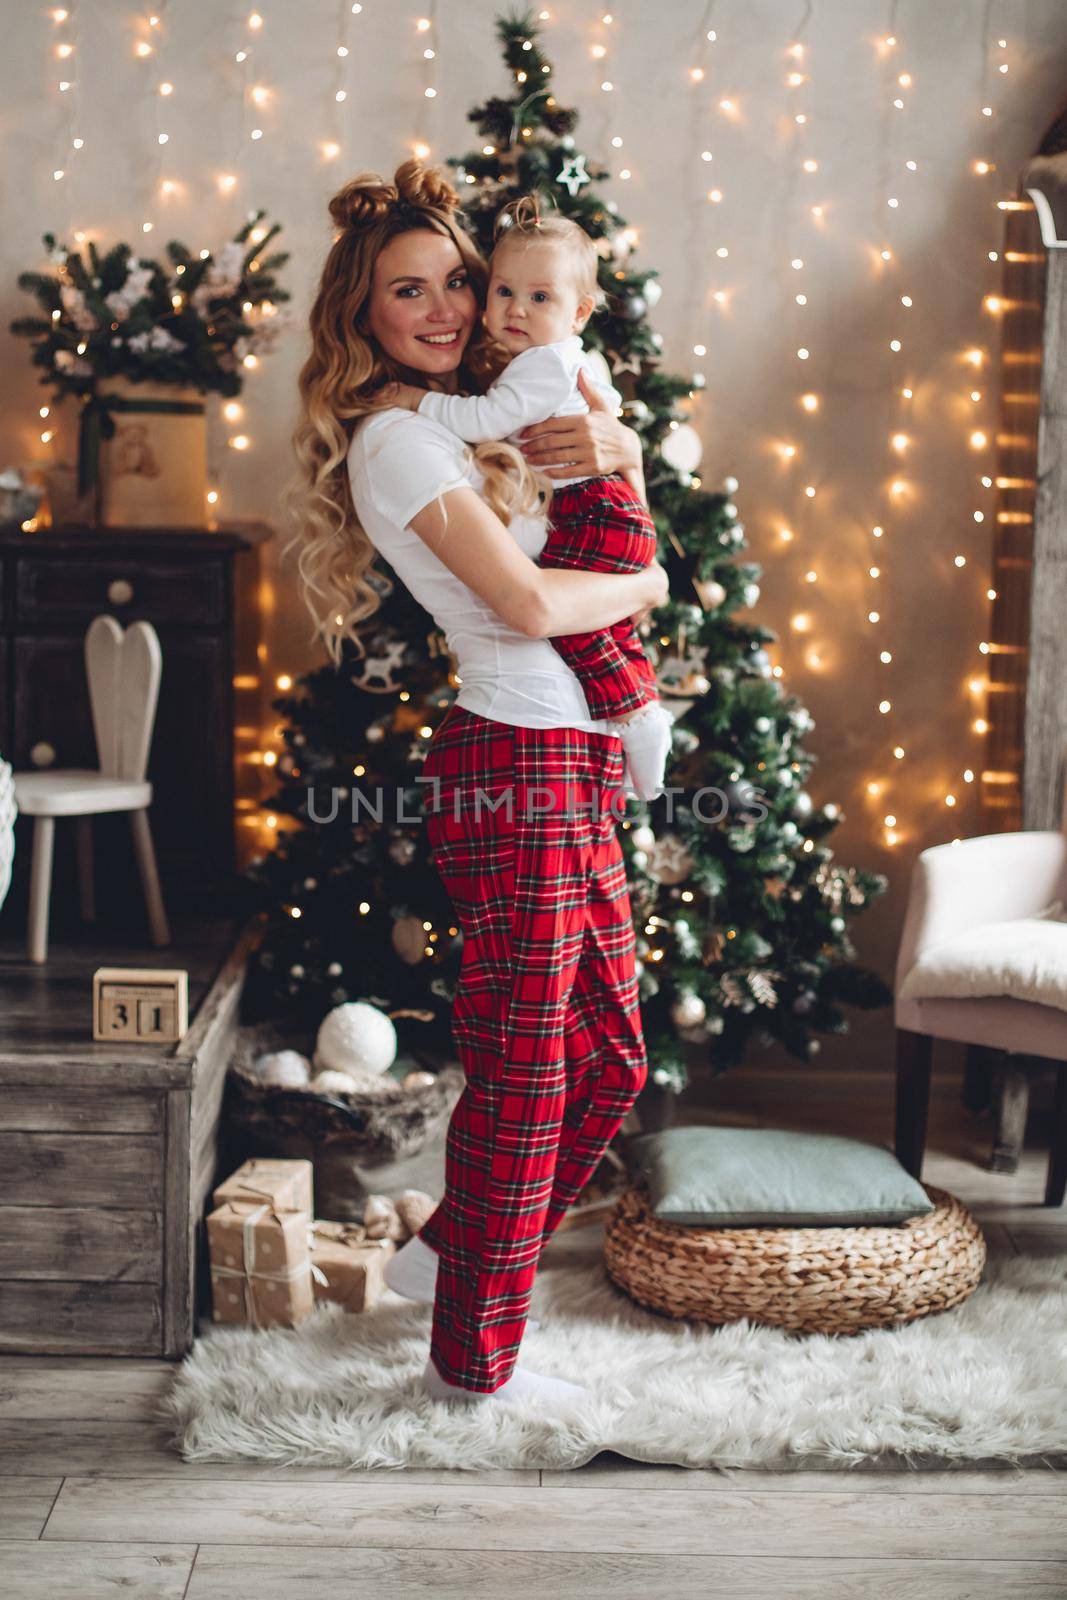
896,167
69,142
974,359
797,80
426,36
331,148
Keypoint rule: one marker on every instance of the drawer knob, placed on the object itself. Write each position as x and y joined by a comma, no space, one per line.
120,591
43,754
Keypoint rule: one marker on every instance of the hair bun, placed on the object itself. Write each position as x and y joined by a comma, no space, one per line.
525,215
363,199
425,186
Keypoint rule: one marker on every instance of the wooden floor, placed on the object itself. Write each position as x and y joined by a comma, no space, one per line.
94,1503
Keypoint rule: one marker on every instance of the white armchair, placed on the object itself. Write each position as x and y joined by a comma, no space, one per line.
955,889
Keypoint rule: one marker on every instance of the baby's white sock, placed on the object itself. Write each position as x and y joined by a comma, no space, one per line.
522,1385
412,1272
646,739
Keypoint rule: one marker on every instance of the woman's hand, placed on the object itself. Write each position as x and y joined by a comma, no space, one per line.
582,446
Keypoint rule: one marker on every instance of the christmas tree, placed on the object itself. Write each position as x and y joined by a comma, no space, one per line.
740,910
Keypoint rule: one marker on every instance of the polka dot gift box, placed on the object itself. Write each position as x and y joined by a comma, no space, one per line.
260,1264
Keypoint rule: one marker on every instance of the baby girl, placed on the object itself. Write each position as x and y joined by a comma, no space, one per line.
542,291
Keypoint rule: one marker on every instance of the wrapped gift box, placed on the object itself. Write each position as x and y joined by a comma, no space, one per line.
352,1265
260,1264
284,1184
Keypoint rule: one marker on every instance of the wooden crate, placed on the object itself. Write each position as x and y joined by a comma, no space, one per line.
107,1155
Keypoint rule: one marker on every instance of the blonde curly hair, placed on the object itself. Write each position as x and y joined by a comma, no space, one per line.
342,379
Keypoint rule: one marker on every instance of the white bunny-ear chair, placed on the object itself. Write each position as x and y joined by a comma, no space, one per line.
123,667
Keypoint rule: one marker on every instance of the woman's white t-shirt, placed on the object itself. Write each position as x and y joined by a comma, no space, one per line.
398,461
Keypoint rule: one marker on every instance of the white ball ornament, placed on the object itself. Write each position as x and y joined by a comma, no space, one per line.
751,594
356,1037
418,1079
330,1082
682,449
643,837
653,291
282,1069
731,485
640,860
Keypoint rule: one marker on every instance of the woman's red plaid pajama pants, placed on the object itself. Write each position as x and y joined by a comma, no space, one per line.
601,525
546,1018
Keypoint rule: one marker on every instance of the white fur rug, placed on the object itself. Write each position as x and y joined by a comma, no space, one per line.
985,1382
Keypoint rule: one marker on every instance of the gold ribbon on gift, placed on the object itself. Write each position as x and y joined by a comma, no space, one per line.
247,1271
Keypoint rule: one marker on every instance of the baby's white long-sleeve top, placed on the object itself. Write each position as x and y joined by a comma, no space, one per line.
536,384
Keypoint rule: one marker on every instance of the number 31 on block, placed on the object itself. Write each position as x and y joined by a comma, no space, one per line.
140,1005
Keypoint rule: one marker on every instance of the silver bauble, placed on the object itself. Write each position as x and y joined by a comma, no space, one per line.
688,1011
711,592
409,939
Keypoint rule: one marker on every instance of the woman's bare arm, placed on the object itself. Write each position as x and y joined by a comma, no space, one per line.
541,602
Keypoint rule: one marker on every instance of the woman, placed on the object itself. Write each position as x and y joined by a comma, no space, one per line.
546,1016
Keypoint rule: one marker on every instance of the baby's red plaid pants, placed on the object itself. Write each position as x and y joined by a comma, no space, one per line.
602,525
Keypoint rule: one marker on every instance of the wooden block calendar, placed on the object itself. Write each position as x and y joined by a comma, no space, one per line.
140,1005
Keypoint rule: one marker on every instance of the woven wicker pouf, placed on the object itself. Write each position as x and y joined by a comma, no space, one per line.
810,1280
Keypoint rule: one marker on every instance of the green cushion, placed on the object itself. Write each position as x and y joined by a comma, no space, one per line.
745,1177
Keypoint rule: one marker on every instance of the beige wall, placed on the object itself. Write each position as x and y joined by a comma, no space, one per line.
933,613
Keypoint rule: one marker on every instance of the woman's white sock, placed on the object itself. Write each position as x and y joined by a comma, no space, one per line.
412,1272
522,1385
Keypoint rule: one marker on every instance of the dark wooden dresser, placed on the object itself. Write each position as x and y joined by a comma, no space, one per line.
201,592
